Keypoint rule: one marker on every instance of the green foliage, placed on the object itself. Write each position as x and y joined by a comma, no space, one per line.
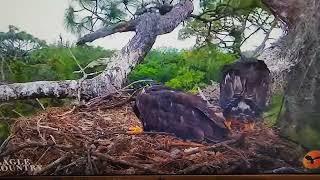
227,23
307,136
246,4
184,70
272,112
186,79
209,60
158,65
235,4
86,15
16,43
110,13
4,131
50,63
54,63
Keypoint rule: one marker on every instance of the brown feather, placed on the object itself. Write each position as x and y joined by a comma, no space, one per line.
187,116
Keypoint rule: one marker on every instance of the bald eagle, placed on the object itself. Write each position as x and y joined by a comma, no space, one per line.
244,89
187,116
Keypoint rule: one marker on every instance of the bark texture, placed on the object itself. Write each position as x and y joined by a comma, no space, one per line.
301,120
278,65
147,27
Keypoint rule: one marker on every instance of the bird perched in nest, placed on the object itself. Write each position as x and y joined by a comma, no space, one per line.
187,116
244,90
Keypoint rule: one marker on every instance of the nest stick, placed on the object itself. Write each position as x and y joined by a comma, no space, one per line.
31,145
71,164
209,148
51,165
194,167
122,162
240,154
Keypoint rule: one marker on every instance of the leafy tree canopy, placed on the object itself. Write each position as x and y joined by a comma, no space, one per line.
88,15
55,63
16,43
228,23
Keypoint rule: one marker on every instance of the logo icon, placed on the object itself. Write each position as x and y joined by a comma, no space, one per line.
312,160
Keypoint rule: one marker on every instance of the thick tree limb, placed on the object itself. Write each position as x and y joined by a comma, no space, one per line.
172,19
106,31
288,11
38,90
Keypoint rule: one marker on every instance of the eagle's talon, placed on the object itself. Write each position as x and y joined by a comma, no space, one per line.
251,126
228,124
248,127
135,130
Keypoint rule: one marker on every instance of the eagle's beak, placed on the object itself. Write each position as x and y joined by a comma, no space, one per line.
220,115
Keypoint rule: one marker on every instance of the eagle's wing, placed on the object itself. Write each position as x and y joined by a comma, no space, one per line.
231,85
196,102
163,109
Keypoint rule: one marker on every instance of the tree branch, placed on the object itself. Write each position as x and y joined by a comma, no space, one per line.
205,20
172,19
261,47
106,31
39,89
93,12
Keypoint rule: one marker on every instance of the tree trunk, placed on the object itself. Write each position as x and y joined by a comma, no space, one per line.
3,76
147,27
301,120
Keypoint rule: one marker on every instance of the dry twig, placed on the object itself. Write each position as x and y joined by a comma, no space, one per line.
122,162
51,165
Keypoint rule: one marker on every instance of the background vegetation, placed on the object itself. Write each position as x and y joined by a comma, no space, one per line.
184,70
180,69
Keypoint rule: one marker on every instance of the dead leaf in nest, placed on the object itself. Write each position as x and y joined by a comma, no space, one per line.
190,149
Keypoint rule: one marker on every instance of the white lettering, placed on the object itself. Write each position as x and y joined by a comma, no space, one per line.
11,168
4,168
19,167
12,161
5,162
18,162
27,161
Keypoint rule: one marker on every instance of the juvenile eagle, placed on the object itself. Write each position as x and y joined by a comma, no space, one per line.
244,91
187,116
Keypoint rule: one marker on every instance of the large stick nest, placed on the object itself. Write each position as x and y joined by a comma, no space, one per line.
94,141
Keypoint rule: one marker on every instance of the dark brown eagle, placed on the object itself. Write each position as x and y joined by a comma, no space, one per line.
187,116
244,89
